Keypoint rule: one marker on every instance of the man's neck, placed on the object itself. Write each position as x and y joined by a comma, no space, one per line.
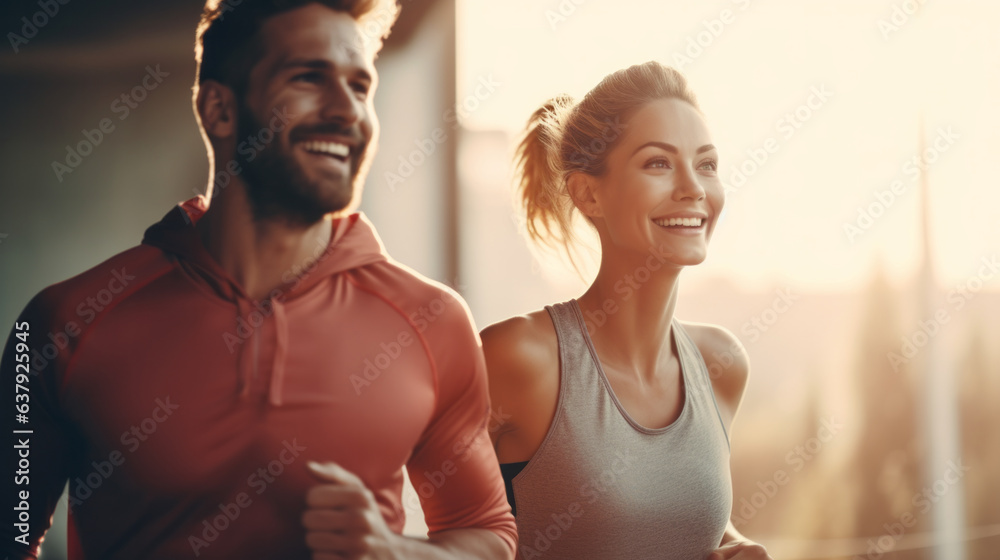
259,255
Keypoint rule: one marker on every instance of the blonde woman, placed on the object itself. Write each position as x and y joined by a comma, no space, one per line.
615,442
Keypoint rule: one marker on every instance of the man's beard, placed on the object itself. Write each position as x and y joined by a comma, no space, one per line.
278,188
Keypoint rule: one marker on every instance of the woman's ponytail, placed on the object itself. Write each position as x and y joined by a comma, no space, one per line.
547,206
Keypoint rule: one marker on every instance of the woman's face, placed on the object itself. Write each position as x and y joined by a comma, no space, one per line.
661,191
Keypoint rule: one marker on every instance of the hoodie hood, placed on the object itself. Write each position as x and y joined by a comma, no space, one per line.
353,244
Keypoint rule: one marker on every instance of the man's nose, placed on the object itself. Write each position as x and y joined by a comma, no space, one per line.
341,104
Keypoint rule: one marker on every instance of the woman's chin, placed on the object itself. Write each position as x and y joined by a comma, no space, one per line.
684,256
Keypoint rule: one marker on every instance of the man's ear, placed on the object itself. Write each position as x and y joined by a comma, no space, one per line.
581,189
217,109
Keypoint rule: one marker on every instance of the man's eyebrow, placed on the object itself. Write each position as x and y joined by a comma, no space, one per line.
671,148
316,63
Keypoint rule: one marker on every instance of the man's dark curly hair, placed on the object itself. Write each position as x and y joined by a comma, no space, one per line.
227,44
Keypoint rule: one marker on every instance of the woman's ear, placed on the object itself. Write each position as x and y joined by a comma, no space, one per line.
581,189
216,105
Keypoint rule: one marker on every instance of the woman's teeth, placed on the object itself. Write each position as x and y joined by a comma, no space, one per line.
332,148
691,222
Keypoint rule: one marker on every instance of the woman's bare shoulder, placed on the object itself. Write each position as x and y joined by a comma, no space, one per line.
520,345
522,364
726,359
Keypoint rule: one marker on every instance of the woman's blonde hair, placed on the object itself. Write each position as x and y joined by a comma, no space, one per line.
562,138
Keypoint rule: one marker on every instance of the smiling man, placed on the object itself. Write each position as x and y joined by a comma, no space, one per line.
262,371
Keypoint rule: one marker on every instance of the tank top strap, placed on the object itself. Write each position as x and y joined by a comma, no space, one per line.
579,380
567,324
699,382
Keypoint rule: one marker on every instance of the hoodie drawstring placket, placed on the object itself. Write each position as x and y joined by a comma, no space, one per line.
250,357
278,367
244,366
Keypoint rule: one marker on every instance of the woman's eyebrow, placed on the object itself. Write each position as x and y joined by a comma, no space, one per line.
671,148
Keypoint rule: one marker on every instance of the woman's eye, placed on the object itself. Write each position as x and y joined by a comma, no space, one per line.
658,163
711,165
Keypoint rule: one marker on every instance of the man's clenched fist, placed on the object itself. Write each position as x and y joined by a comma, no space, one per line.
342,518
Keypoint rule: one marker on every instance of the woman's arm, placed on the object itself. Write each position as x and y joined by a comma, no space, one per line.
729,369
728,366
522,366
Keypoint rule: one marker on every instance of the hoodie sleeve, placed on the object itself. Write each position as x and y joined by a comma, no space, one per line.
454,468
36,454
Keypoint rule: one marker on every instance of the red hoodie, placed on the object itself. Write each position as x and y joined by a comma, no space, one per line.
183,413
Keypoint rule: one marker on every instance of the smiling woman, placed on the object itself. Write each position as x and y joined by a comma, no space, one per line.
616,443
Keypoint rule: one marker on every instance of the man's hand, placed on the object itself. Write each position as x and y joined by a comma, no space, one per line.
740,550
343,520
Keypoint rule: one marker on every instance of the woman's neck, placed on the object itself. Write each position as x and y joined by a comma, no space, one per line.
628,311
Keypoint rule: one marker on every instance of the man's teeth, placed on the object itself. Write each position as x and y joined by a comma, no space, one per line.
694,222
332,148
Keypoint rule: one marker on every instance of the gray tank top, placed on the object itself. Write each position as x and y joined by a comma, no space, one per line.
601,486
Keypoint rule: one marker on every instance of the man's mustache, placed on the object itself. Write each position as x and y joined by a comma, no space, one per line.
349,135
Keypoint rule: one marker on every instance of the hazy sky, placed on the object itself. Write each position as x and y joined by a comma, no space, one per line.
869,70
